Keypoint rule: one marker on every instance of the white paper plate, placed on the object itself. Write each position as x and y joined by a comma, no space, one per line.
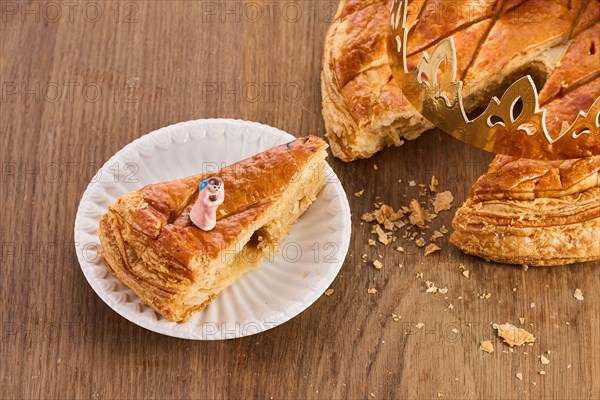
307,261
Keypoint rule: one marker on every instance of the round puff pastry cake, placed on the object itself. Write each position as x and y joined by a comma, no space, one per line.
150,244
530,212
497,42
521,211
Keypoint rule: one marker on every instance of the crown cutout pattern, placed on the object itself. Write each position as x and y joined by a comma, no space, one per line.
513,125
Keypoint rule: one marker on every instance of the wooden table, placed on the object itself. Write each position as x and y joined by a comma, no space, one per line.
81,80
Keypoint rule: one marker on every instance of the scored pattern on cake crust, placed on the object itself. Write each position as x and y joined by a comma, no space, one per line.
512,123
363,107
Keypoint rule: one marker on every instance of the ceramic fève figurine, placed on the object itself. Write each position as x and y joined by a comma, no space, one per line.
211,196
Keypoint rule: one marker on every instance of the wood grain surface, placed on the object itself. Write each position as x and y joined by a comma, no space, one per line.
82,79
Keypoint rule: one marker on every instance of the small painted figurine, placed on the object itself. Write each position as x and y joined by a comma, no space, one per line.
211,196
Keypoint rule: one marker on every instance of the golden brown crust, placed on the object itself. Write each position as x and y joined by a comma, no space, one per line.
562,111
466,42
363,107
559,114
507,41
496,43
589,15
151,245
522,179
580,62
364,110
441,18
530,212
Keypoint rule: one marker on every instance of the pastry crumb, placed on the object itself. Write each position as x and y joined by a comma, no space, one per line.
514,336
412,183
578,294
519,376
486,346
375,167
419,325
371,242
432,248
360,193
371,290
400,249
328,292
542,372
420,242
417,216
443,290
431,288
466,273
383,215
443,201
544,360
433,184
436,235
377,264
383,237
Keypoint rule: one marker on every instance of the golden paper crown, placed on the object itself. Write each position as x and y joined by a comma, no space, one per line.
431,87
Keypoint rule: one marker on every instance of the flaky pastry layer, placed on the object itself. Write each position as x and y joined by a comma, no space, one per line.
533,212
